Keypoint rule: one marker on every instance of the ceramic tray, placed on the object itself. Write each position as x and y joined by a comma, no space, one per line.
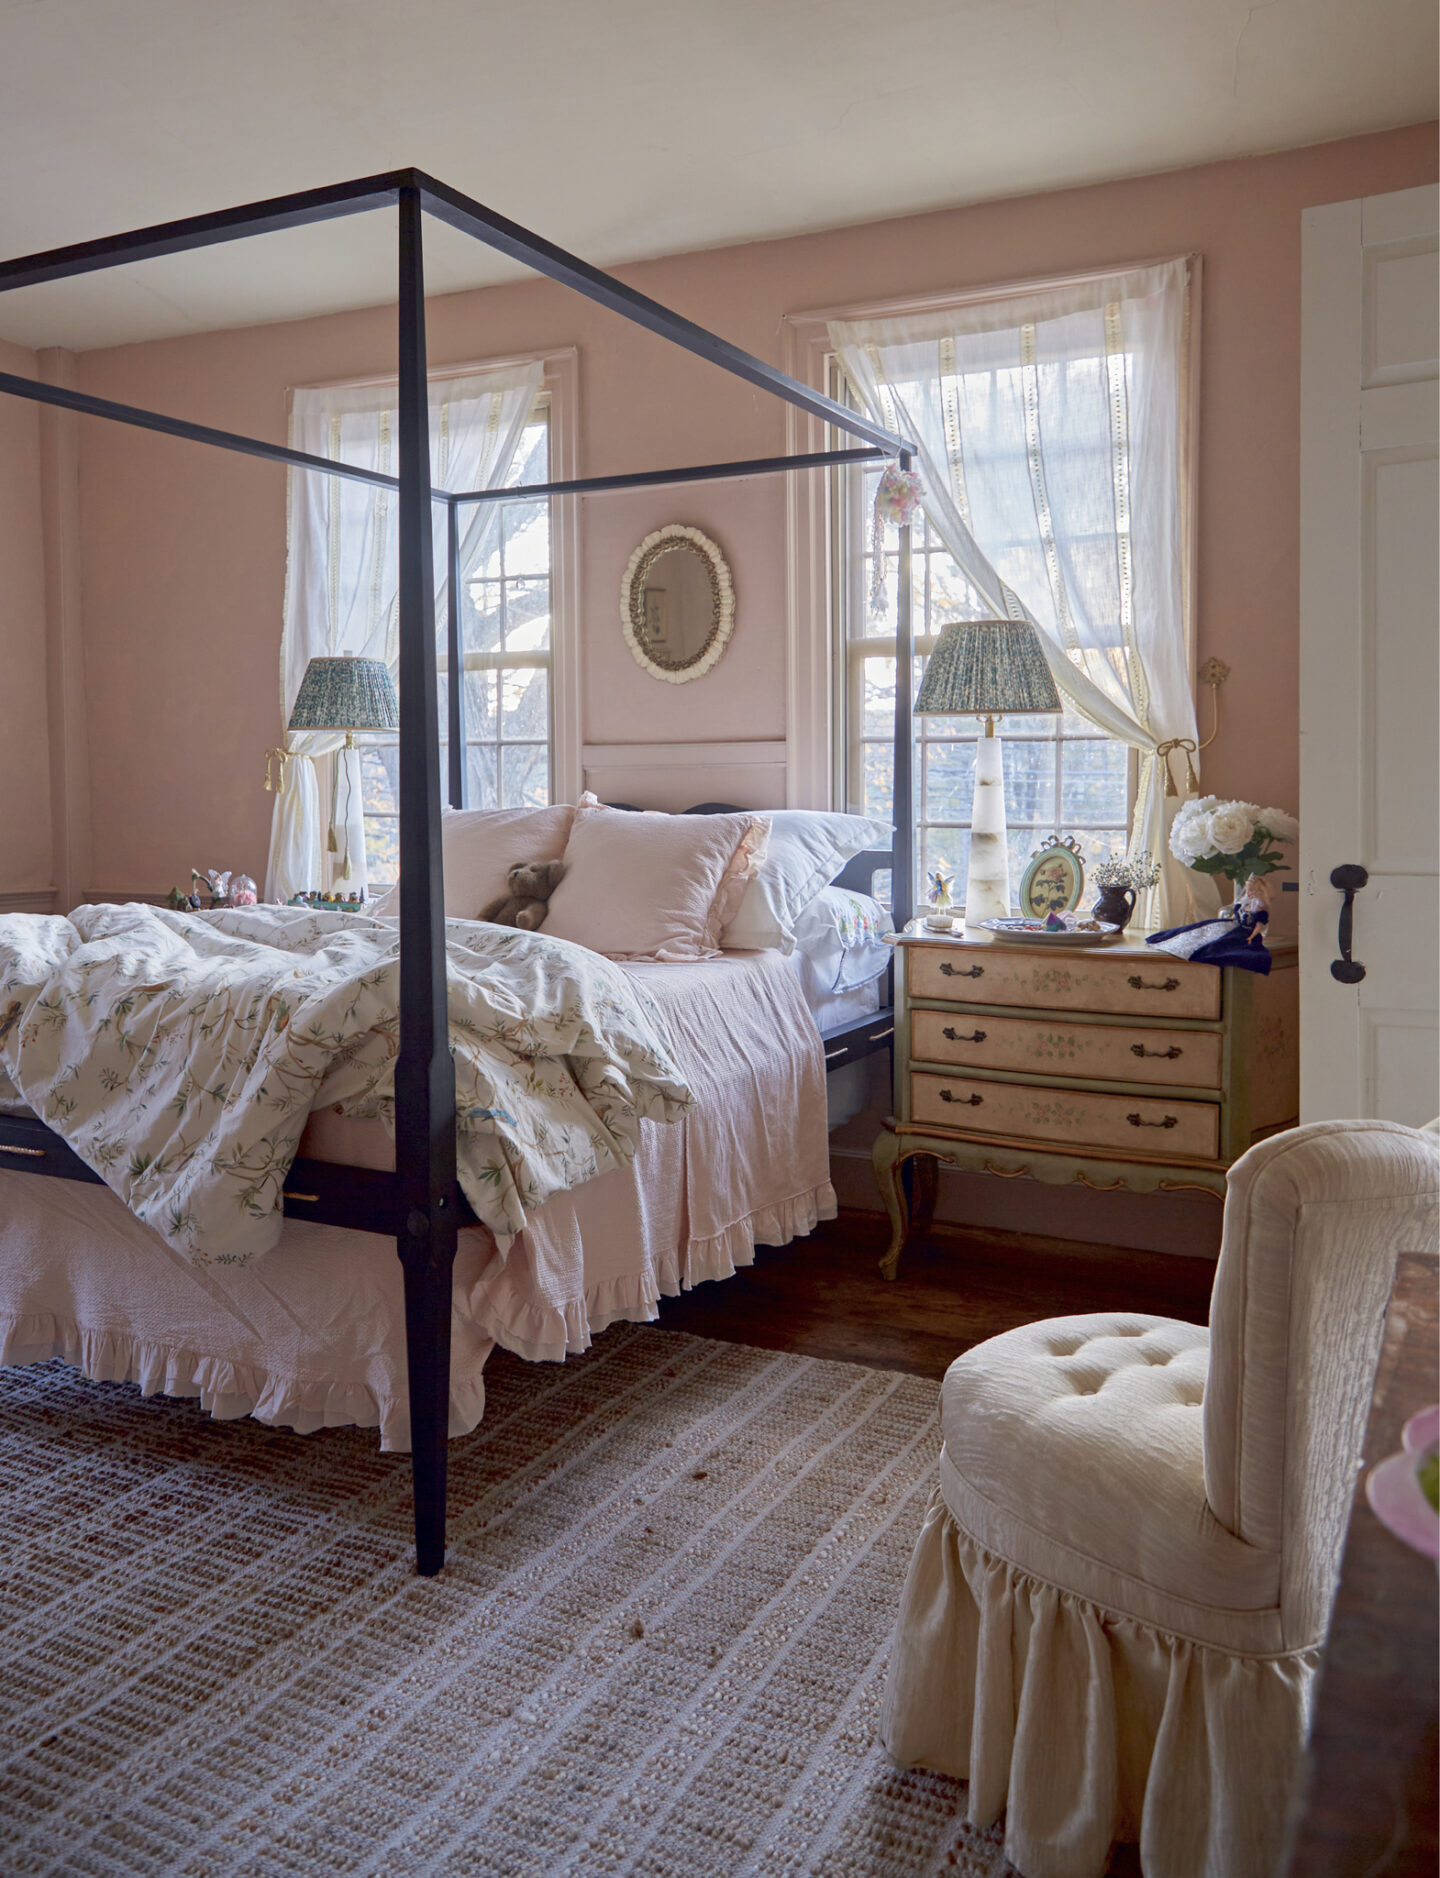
1032,932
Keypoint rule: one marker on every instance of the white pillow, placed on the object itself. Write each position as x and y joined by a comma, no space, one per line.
840,938
480,846
808,848
650,886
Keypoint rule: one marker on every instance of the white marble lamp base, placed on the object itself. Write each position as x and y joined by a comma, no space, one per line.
987,887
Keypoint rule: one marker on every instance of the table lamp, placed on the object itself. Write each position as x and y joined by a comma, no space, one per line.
349,694
988,668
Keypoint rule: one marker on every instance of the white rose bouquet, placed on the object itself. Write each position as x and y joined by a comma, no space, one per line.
1235,839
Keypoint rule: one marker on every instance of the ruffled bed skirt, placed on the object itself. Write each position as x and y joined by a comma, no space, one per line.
229,1390
312,1336
520,1305
1085,1727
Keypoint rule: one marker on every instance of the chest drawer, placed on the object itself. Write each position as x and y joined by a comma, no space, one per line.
1147,1125
1107,1052
1122,984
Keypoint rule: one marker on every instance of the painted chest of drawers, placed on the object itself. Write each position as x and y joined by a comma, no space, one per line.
1113,1066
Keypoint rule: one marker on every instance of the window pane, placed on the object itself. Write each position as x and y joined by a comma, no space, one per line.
879,697
1029,782
480,789
481,709
380,780
525,774
1096,781
949,781
524,704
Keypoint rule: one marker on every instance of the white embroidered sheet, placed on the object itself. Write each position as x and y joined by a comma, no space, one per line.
312,1334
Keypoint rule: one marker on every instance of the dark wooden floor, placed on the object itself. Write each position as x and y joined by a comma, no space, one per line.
823,1296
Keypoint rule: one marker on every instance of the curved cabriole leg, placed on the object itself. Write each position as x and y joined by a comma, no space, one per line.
888,1159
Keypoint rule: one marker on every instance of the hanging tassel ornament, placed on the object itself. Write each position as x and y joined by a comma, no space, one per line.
897,500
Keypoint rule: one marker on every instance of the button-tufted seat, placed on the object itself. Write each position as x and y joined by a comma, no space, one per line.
1113,1616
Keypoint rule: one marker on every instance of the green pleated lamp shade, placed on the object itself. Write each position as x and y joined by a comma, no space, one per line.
346,694
988,667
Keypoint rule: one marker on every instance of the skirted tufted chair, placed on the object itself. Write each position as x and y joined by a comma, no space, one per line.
1115,1610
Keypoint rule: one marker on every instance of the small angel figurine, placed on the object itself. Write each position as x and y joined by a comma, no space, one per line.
940,884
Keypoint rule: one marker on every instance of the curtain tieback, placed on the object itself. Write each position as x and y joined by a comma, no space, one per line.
1192,781
275,761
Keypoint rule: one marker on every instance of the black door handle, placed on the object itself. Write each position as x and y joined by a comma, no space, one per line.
1349,879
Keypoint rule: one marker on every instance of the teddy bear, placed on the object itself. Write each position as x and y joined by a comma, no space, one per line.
526,904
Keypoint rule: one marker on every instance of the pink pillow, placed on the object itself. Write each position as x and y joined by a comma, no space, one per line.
653,886
480,848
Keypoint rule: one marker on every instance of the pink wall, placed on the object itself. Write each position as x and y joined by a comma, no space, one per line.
184,549
25,840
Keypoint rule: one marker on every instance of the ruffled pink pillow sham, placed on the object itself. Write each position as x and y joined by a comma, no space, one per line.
648,886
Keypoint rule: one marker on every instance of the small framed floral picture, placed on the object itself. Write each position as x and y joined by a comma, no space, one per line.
1054,880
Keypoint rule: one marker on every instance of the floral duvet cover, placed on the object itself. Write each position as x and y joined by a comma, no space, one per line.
179,1055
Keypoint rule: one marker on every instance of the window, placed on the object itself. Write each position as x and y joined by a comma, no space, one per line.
506,643
1062,776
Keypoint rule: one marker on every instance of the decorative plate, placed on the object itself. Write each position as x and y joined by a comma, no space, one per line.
1034,932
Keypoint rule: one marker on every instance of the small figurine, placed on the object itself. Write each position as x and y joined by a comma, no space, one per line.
178,900
242,891
940,884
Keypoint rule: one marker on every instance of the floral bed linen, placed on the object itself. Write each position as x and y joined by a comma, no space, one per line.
179,1055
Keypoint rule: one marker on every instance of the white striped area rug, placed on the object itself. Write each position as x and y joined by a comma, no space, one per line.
657,1648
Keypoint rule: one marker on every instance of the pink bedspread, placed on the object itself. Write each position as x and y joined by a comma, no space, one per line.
311,1335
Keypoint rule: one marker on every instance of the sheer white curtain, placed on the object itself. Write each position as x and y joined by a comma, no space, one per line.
342,575
1051,436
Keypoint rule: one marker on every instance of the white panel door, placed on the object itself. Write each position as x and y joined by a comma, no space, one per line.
1369,670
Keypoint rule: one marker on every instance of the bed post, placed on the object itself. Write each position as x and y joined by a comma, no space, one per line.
454,662
902,867
424,1074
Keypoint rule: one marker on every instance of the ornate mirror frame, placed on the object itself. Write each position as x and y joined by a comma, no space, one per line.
632,588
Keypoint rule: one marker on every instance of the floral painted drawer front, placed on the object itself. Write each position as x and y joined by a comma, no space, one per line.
1148,1126
1127,983
1101,1052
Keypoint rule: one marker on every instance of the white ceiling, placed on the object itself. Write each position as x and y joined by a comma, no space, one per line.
624,128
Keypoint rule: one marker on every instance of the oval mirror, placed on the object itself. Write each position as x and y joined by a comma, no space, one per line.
677,603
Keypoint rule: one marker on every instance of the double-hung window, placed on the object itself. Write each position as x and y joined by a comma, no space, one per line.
505,646
1053,436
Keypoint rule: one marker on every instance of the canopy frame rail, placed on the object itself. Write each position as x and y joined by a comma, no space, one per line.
422,1206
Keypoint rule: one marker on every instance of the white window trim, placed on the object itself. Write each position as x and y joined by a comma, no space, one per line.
814,676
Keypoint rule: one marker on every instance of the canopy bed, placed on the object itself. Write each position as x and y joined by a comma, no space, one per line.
420,1202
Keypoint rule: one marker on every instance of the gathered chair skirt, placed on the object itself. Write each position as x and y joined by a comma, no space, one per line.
1084,1726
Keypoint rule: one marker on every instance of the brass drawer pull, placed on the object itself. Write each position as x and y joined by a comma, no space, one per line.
970,1101
954,971
1137,983
37,1154
977,1036
312,1197
1138,1049
1170,1121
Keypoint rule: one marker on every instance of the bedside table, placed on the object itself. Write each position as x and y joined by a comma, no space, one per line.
1116,1066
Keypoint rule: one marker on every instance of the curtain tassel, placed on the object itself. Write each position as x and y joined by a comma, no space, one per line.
275,761
1192,781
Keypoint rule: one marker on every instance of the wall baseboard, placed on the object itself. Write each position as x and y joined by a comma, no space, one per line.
29,900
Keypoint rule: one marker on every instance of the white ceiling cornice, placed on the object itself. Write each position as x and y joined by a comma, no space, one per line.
625,129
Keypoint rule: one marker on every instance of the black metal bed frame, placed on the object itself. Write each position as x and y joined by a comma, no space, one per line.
421,1202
